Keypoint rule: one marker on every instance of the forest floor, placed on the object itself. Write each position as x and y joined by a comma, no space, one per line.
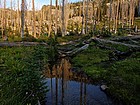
112,61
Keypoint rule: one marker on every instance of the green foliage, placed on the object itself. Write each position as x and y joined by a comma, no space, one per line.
68,38
105,33
121,32
90,56
21,77
123,77
137,22
52,50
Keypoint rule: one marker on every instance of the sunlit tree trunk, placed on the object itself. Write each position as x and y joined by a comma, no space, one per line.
122,9
40,22
11,15
4,21
50,19
131,14
63,18
110,14
83,18
113,15
66,17
34,19
56,16
116,19
86,18
126,13
22,18
133,11
18,17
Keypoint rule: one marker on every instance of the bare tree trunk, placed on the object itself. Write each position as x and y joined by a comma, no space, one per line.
4,20
83,18
63,18
18,17
126,13
11,15
56,17
133,11
50,19
86,18
34,19
139,8
40,22
67,7
130,13
122,9
22,18
113,15
99,13
116,19
110,14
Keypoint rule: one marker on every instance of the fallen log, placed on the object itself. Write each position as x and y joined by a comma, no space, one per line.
126,38
105,41
18,44
74,51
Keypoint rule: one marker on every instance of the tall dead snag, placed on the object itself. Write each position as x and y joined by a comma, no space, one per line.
1,17
86,17
131,13
110,14
4,22
67,12
138,7
117,14
83,18
122,10
34,19
22,18
18,17
56,16
63,18
50,19
11,15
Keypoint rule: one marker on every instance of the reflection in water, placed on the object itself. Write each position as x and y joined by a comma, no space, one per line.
71,88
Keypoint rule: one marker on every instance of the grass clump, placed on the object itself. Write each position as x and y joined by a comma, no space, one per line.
124,79
21,77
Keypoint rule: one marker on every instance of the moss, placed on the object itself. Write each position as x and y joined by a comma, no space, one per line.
90,56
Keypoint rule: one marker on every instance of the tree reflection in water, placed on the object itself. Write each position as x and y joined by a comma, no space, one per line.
68,87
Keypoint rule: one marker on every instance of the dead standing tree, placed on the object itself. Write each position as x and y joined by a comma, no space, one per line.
22,18
50,19
63,18
83,18
56,16
34,19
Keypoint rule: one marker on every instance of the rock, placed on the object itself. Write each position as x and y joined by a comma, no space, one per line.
103,87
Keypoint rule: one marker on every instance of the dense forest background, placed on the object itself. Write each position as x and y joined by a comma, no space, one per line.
65,18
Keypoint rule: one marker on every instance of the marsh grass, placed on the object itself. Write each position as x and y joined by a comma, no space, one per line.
21,77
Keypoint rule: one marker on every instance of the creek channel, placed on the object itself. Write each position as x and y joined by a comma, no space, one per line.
68,87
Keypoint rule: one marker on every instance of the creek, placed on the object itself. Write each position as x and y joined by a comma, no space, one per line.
69,87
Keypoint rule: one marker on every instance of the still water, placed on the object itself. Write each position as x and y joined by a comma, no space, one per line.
67,87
